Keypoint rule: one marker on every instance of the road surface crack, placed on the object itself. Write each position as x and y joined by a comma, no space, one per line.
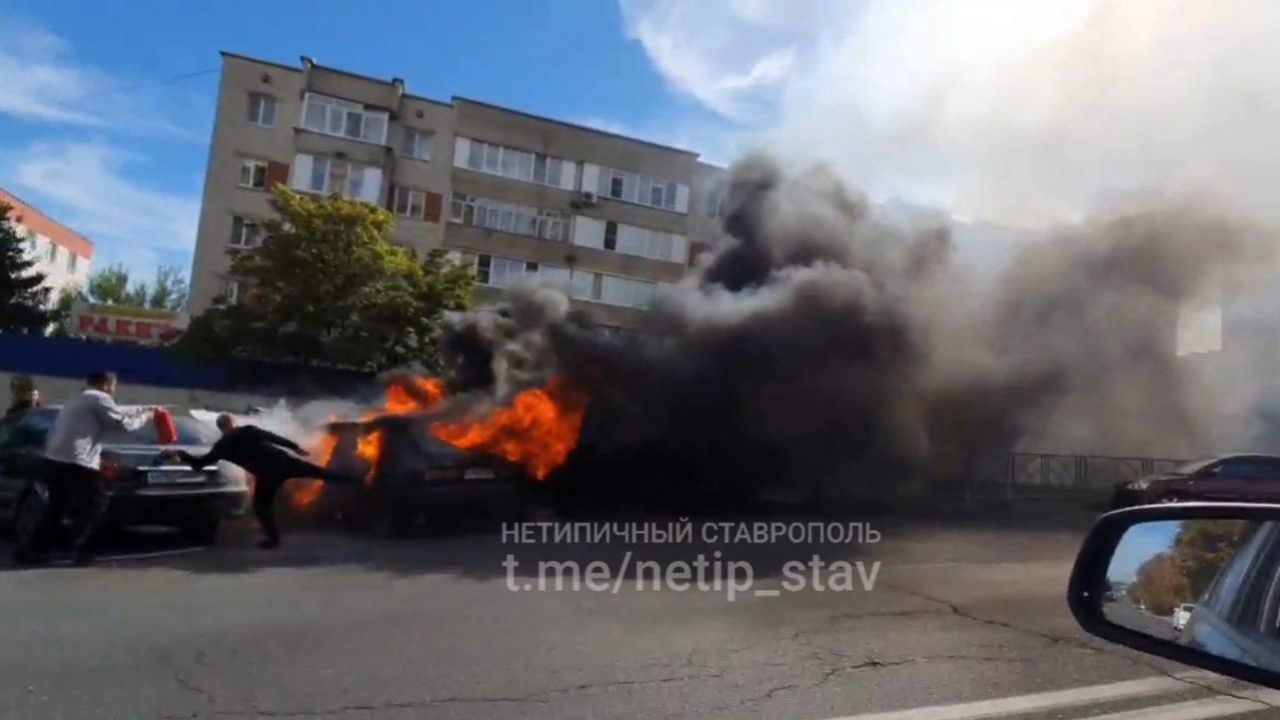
1054,639
541,698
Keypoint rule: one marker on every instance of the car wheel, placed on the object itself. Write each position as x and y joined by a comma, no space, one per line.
203,531
29,521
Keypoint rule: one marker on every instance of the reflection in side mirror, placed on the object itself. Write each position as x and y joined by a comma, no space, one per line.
1198,583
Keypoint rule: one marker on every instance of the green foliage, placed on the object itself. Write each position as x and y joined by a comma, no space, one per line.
113,286
24,298
1204,546
327,286
1182,574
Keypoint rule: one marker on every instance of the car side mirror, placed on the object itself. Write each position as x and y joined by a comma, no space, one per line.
1188,582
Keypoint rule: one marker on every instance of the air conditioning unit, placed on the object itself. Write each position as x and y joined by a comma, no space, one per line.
587,197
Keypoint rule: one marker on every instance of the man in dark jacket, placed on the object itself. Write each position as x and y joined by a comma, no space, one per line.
269,458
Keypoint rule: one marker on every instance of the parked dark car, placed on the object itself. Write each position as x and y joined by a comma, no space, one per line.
1230,478
143,490
416,476
1238,618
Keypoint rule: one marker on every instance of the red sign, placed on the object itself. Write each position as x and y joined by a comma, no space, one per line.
125,328
133,324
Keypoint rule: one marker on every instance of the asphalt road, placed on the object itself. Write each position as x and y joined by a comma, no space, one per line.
333,626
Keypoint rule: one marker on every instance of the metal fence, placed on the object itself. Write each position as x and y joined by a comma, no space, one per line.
1052,474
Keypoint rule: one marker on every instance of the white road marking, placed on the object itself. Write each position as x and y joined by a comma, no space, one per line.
1055,700
768,593
1201,709
149,555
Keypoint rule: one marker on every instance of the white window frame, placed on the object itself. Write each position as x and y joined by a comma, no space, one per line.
72,260
255,166
513,270
245,239
638,189
501,216
231,291
337,115
515,164
259,105
405,196
351,175
416,144
53,252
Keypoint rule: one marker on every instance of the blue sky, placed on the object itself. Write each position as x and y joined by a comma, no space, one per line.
1141,543
109,131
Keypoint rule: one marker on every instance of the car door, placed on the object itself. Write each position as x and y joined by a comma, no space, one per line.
1235,478
1266,483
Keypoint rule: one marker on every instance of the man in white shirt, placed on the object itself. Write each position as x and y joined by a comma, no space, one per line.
73,456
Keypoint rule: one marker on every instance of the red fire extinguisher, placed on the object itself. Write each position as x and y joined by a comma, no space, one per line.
166,431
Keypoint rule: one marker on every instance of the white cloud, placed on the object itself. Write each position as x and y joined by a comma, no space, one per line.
44,82
730,56
1005,109
87,186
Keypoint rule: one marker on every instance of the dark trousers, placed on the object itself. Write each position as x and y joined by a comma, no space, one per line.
267,485
76,494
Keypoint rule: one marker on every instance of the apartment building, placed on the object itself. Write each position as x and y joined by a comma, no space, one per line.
60,253
608,218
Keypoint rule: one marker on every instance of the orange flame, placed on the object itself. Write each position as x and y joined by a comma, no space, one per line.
369,449
538,430
303,492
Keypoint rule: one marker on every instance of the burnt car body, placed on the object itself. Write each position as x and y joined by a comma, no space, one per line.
415,475
143,490
1228,478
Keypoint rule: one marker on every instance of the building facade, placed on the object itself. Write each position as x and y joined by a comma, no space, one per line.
606,217
60,253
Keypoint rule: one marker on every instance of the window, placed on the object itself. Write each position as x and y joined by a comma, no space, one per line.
508,217
409,203
611,235
715,203
345,118
515,164
262,109
642,189
72,259
232,292
244,232
611,289
416,144
501,272
253,174
319,174
53,252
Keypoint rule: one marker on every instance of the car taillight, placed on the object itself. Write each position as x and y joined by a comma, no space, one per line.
113,471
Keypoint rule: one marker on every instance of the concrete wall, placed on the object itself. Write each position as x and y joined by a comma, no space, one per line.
235,138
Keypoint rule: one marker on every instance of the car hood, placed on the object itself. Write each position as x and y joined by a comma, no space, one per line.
1148,480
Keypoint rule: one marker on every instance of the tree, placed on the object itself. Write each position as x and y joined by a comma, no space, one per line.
327,286
169,290
1203,547
24,299
1160,585
112,286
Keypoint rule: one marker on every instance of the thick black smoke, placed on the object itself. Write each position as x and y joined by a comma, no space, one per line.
823,353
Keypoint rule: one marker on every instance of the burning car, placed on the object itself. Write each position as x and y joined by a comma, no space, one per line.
408,473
